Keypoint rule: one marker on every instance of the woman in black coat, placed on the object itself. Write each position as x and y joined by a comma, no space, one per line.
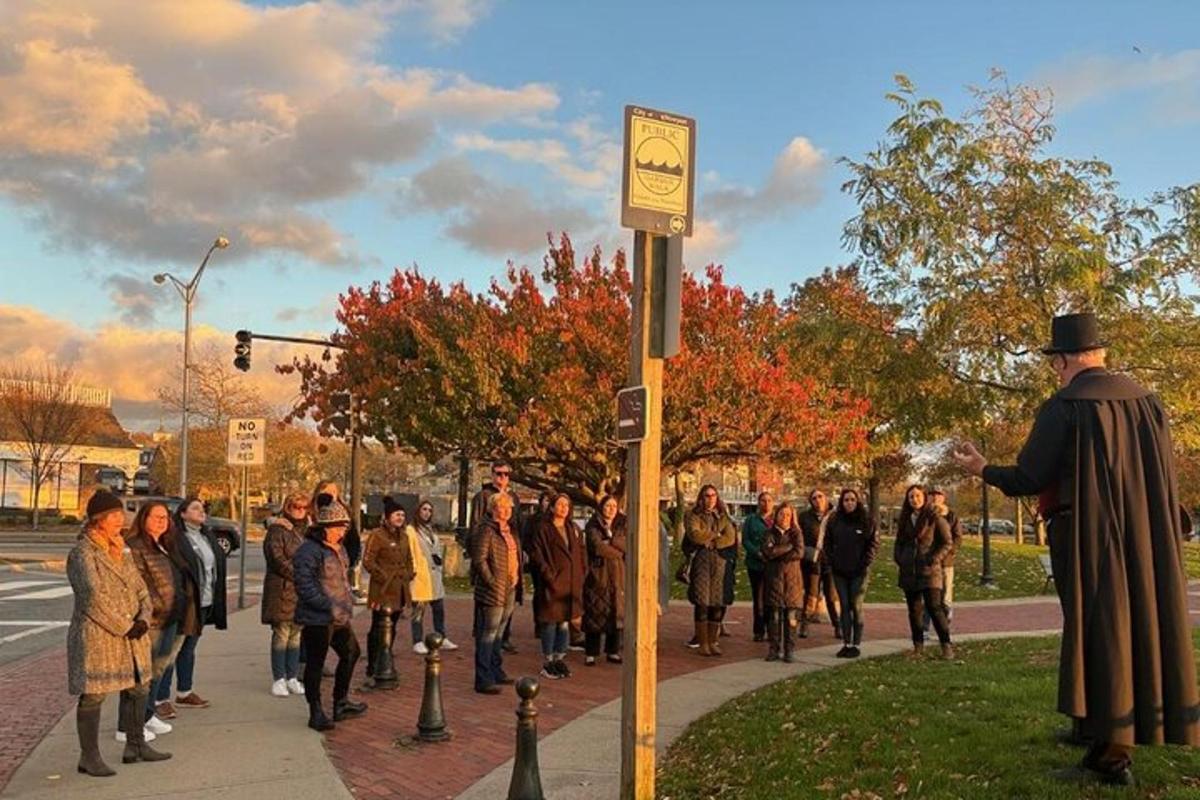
850,542
604,586
557,555
204,561
922,542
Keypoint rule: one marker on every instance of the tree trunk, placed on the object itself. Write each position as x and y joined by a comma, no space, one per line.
678,520
37,493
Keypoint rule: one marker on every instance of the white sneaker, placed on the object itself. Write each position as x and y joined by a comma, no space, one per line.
448,645
420,649
279,688
147,734
157,726
294,686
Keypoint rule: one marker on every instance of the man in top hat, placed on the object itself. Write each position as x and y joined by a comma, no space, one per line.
1099,458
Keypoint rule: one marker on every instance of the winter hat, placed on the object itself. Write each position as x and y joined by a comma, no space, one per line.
103,502
390,506
330,512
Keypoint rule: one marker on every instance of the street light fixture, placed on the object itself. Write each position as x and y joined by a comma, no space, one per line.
188,292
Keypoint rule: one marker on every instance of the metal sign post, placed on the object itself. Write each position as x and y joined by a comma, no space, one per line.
246,448
656,200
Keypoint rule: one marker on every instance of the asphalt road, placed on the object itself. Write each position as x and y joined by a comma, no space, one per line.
35,605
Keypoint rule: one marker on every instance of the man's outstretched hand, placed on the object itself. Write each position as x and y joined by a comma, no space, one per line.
969,458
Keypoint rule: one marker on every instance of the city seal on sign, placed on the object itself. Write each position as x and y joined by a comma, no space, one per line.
678,224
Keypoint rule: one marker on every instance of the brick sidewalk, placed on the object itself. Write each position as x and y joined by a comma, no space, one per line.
373,765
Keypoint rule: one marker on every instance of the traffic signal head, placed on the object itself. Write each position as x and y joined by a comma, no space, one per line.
241,350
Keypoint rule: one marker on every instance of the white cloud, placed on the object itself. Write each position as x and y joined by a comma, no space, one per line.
1079,81
491,218
593,164
225,118
795,181
135,362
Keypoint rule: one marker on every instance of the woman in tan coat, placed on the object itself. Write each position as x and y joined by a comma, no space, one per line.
108,649
388,559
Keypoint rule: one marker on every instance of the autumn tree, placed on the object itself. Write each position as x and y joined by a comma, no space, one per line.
531,369
40,413
977,235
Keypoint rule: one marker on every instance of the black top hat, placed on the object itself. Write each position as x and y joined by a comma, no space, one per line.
1074,333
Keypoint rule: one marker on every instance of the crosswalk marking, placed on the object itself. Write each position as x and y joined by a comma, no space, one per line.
12,586
43,627
42,594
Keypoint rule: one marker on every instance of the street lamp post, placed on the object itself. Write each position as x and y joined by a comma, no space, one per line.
188,292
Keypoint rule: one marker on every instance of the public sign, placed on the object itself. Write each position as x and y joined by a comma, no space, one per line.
631,414
247,442
657,182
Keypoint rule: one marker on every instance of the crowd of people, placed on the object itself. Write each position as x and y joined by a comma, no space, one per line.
796,561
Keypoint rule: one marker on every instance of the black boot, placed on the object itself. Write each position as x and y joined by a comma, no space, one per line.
347,709
789,637
772,636
87,725
317,719
133,715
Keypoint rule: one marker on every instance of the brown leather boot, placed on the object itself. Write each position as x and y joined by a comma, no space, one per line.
948,652
714,638
132,711
87,725
917,652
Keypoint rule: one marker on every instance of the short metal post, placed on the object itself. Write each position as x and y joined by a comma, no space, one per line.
526,778
384,668
431,724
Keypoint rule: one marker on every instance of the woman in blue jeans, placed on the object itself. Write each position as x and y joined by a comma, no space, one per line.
204,561
850,544
150,543
558,553
496,565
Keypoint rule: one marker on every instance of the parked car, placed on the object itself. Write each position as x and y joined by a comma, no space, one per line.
998,527
112,478
229,535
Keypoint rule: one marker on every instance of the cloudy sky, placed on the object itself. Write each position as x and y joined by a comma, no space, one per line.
333,142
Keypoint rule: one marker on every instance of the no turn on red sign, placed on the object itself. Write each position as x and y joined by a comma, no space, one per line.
247,442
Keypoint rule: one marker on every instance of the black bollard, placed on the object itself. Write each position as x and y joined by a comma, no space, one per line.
526,778
385,675
431,724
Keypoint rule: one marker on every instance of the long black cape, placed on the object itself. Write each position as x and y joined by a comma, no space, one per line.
1127,664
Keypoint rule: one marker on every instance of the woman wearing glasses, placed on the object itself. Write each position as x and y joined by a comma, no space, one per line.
710,541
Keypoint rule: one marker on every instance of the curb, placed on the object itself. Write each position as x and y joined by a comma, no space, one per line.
54,565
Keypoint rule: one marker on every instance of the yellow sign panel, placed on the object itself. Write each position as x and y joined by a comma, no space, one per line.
660,157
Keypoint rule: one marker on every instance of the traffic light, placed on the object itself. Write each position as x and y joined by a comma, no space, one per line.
340,420
241,350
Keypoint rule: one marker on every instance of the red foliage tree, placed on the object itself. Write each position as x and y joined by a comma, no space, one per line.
531,370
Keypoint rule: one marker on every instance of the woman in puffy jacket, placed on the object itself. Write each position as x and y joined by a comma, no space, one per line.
783,582
710,541
604,585
922,543
851,542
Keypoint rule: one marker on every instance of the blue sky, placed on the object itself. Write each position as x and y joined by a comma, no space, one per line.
470,127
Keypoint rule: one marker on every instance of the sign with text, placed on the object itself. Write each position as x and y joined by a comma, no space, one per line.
632,407
247,442
657,182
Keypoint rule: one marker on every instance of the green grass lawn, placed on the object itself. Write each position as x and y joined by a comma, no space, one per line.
1015,568
978,728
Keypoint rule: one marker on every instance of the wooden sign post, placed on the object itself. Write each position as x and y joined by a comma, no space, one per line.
657,192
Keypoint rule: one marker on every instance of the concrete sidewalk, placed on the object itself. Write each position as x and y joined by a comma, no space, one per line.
582,760
248,746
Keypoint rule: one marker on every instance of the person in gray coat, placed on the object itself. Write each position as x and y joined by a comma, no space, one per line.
108,649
